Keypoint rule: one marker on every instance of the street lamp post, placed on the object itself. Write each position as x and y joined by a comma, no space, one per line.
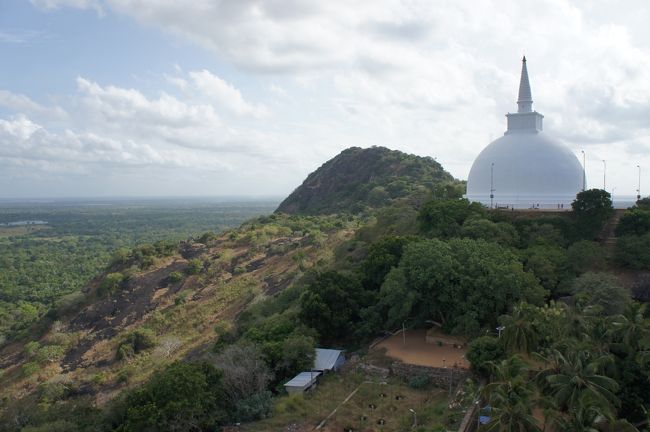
415,418
492,185
584,174
638,189
604,174
500,329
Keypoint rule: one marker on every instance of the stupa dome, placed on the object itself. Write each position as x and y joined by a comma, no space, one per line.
525,167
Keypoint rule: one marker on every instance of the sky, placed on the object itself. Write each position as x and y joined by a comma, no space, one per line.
247,97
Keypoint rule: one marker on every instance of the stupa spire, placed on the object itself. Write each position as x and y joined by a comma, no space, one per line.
525,100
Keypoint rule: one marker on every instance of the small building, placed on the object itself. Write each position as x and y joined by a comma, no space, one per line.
302,382
328,360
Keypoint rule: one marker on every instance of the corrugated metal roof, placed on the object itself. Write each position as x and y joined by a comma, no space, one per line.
303,379
326,359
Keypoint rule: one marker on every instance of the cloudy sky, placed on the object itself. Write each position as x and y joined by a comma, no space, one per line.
246,97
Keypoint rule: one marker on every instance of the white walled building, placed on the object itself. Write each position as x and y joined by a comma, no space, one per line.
525,167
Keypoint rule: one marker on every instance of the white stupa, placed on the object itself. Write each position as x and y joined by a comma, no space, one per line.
525,168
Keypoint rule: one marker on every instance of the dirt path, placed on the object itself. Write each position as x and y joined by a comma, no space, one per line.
418,352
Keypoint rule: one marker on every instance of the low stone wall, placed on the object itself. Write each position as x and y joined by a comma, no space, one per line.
439,377
469,421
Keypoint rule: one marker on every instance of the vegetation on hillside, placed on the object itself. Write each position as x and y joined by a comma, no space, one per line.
204,334
44,267
358,179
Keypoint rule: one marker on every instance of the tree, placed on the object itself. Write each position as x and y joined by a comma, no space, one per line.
182,397
585,255
382,257
500,232
482,352
572,376
550,265
603,290
631,327
298,354
443,218
331,305
643,203
520,334
244,371
464,283
635,221
511,396
633,251
591,209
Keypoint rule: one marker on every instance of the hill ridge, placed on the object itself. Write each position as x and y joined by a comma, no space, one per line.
357,179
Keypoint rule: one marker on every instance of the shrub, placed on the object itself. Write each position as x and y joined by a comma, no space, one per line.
180,299
54,426
68,304
419,382
30,368
194,266
255,407
147,262
175,277
120,257
135,342
111,283
50,353
54,390
239,270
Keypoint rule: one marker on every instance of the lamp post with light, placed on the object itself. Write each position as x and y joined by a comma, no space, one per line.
584,173
492,185
415,418
638,189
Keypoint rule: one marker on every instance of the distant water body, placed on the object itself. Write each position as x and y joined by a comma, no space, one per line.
148,201
23,223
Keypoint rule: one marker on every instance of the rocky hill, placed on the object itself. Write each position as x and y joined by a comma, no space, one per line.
153,306
358,179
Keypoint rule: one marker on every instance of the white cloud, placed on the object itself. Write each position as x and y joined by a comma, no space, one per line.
433,79
77,4
22,104
224,94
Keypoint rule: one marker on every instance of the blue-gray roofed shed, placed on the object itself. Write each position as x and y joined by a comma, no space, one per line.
328,359
301,382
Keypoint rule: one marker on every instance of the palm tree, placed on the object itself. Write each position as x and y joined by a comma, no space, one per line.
573,376
520,334
588,418
631,327
511,397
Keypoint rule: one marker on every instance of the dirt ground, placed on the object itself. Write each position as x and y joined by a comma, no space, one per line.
418,352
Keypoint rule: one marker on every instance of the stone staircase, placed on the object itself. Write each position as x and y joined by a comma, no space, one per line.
607,236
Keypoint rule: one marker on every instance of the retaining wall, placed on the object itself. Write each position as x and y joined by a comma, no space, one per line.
440,377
